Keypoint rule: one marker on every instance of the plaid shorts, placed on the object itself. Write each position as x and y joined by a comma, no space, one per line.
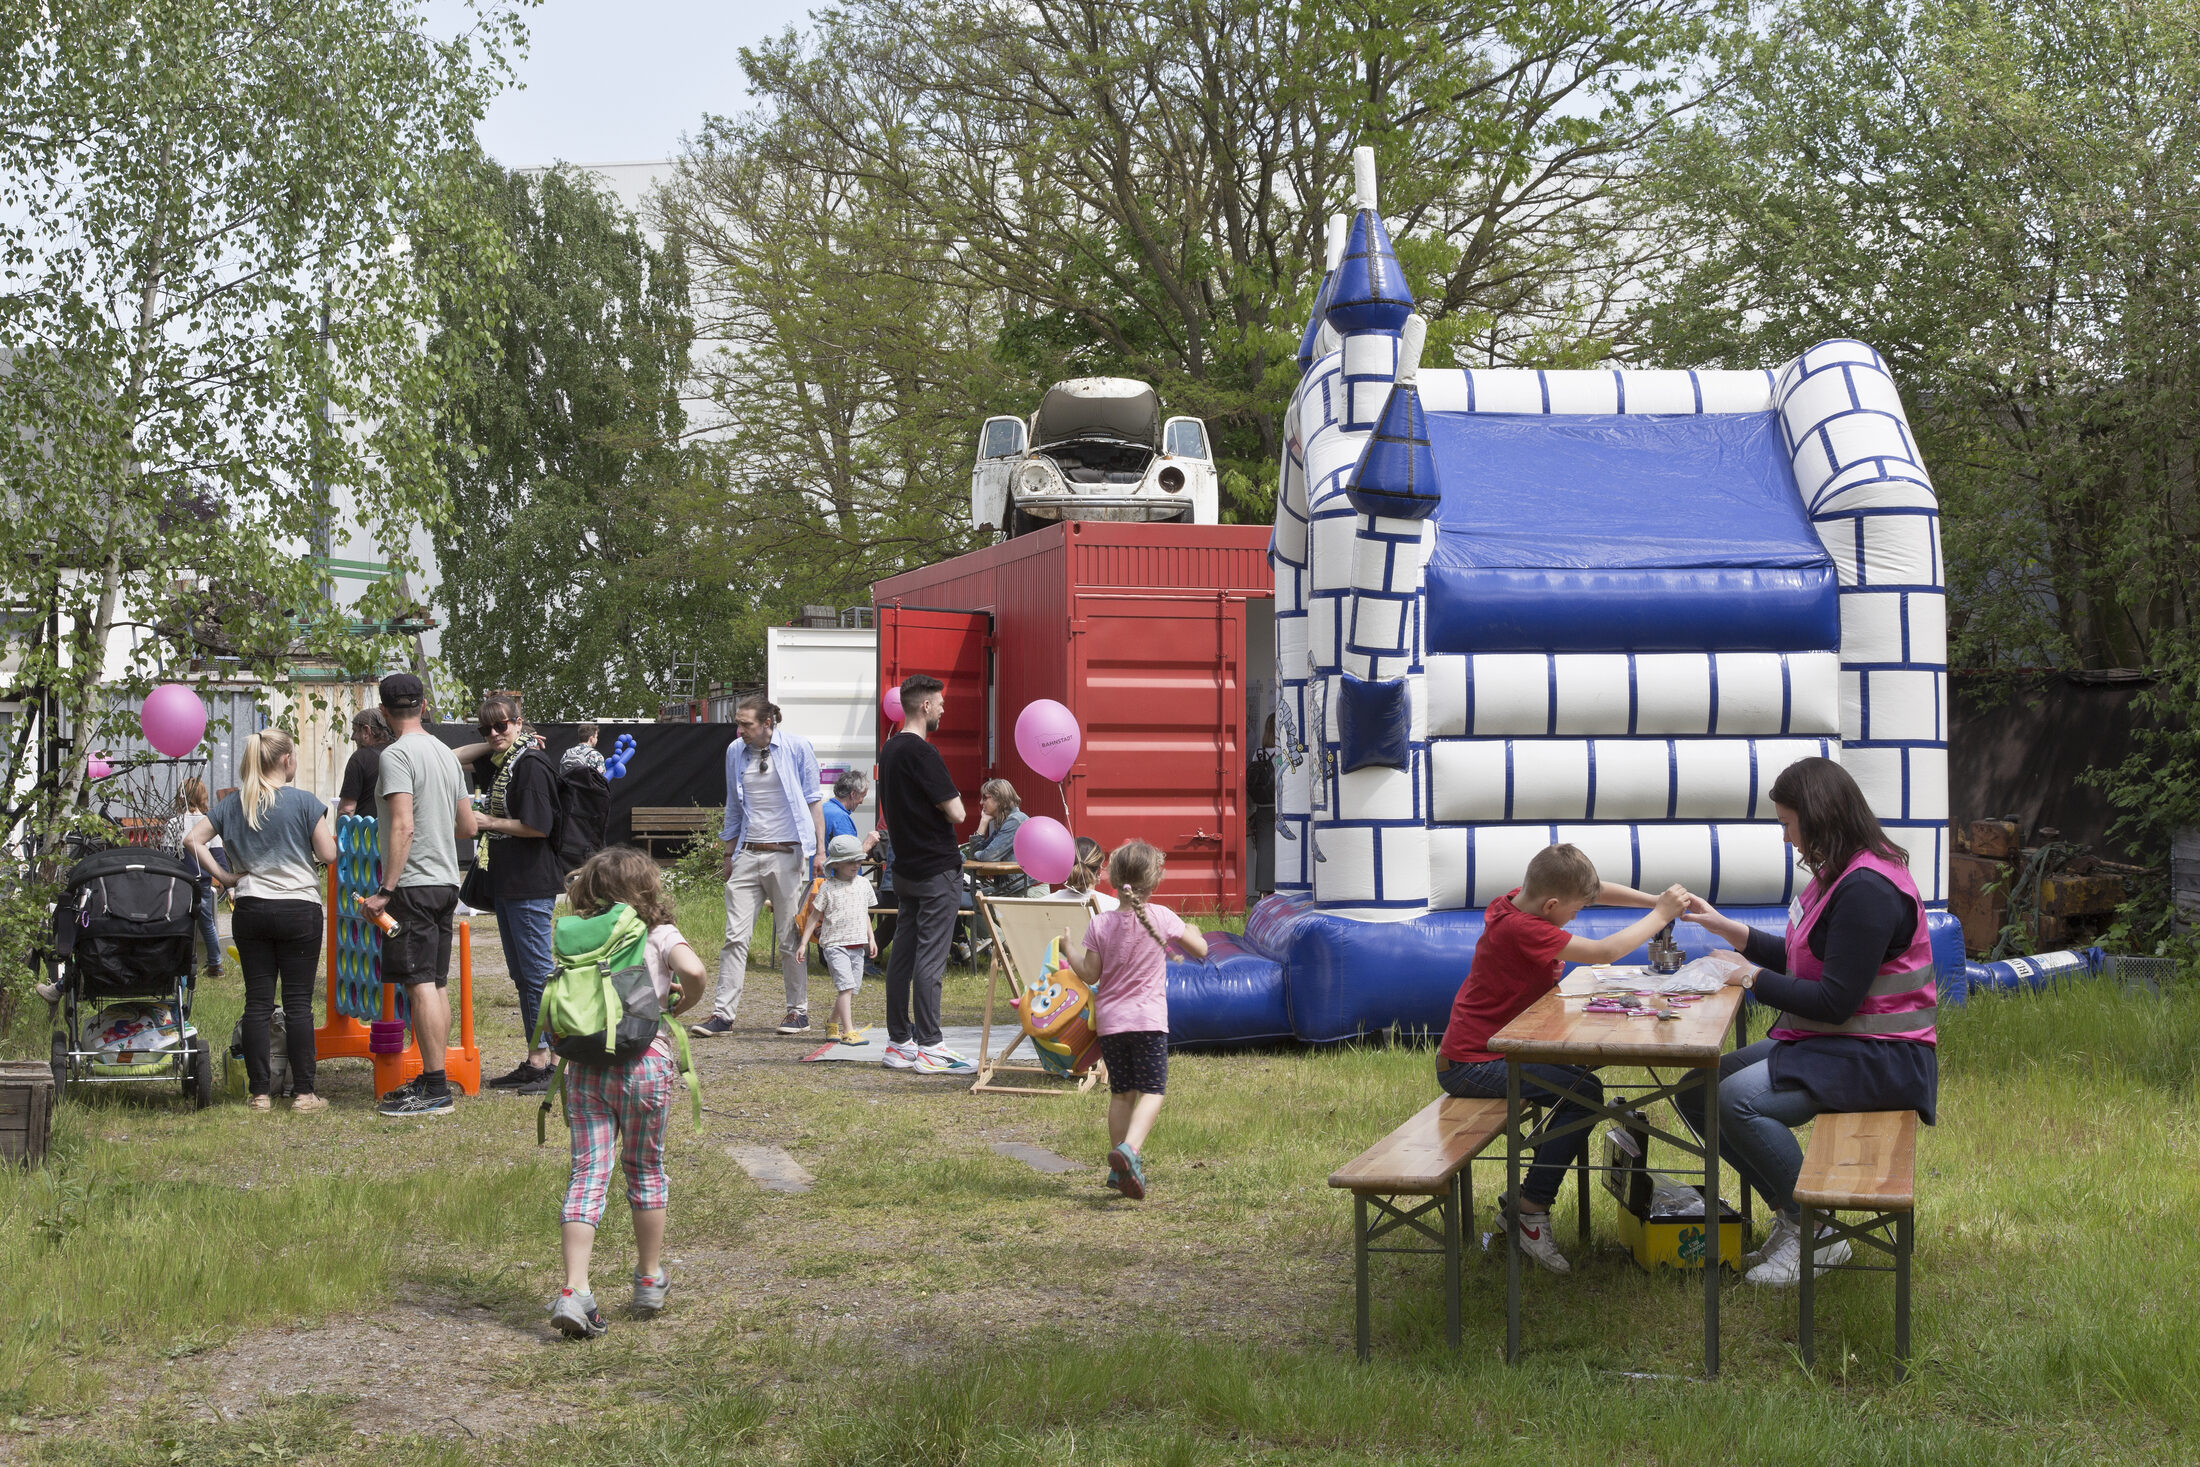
623,1104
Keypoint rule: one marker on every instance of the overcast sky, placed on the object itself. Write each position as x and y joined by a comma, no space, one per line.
619,81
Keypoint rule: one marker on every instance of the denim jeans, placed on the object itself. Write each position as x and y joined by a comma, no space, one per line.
523,925
1485,1080
209,935
1757,1124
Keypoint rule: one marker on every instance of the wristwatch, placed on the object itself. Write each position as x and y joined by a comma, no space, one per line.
1749,980
387,893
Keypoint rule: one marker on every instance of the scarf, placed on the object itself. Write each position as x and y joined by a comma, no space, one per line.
506,763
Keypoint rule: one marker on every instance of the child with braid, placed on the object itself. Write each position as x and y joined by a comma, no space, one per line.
1126,961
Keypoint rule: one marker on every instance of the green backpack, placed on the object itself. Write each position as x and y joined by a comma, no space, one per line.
600,1008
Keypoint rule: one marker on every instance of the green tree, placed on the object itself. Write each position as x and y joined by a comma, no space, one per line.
213,323
2003,196
581,521
1142,189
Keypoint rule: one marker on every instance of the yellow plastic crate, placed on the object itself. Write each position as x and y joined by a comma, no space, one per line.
1678,1242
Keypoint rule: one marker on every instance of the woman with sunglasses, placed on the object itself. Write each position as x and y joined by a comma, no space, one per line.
517,874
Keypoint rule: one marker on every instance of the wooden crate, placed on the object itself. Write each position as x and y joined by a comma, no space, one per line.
26,1111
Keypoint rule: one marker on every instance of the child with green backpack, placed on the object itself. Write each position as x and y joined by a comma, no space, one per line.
622,968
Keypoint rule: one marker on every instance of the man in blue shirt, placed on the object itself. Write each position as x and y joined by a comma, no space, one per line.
849,791
774,832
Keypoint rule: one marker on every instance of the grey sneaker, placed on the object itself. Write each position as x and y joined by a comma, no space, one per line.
649,1293
401,1105
711,1028
796,1022
576,1316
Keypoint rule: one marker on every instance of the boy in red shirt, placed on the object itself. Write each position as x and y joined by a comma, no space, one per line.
1518,958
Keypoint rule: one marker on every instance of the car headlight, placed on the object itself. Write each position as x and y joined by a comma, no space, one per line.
1038,477
1172,479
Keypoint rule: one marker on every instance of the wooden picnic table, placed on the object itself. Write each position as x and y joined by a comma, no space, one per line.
1556,1029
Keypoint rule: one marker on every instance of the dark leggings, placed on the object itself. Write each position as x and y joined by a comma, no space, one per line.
277,939
1538,1083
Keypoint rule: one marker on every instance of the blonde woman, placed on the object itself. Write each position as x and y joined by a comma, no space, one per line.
276,837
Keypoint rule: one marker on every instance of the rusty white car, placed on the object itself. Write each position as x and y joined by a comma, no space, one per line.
1097,449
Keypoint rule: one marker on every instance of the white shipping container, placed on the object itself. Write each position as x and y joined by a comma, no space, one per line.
825,681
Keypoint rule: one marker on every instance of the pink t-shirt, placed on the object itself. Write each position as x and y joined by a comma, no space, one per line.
1133,992
657,957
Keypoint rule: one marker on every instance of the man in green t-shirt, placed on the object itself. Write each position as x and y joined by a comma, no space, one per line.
421,800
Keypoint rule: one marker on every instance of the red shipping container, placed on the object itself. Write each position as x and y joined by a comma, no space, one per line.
1160,638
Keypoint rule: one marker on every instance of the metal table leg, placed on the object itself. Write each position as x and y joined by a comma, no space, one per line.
1512,1199
1359,1272
1711,1219
1904,1241
1581,1182
1807,1305
1454,1243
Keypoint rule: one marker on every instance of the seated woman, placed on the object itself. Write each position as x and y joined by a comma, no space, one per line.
1853,984
1000,817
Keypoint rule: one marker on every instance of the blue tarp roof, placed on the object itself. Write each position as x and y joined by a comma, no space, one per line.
1623,533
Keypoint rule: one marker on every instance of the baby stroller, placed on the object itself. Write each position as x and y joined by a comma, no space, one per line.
122,950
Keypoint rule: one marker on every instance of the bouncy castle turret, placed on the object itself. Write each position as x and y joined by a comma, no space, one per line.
1349,555
1318,340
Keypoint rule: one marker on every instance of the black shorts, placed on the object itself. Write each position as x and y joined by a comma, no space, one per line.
1138,1060
421,950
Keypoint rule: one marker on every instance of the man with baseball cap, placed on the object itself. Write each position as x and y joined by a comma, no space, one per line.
425,815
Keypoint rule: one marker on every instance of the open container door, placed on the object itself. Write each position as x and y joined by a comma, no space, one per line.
957,648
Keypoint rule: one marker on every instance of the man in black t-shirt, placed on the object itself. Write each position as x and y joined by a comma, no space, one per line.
523,875
371,732
921,807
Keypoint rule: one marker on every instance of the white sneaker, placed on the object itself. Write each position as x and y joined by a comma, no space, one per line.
1782,1264
938,1059
900,1056
1782,1226
1534,1231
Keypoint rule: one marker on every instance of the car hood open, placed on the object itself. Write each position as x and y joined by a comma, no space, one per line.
1115,407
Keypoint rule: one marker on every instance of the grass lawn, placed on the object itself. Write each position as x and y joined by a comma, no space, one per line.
225,1287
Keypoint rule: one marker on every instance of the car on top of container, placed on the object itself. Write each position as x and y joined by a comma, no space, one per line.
1097,449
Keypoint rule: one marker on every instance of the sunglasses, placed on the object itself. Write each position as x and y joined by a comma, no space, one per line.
486,729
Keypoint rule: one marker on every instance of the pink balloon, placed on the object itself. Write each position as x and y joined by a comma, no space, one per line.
174,719
891,703
1048,739
1045,849
97,768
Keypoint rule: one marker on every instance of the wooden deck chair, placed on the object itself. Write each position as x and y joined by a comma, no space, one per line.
1022,927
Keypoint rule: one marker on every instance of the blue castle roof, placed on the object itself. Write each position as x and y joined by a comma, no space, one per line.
1371,292
1396,474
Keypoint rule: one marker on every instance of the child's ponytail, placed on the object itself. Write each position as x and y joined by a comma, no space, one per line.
1135,870
1090,858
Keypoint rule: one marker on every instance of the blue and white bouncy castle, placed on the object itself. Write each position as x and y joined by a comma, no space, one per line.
1604,607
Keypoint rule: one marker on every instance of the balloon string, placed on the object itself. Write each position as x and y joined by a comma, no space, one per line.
1063,790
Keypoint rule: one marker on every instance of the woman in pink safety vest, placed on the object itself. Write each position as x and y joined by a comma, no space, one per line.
1852,985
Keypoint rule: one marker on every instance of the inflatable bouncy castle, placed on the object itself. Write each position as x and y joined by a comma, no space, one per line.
1604,607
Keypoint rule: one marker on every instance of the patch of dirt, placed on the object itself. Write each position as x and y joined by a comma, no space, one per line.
461,1353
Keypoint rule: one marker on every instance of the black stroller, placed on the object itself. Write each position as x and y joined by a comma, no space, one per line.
121,932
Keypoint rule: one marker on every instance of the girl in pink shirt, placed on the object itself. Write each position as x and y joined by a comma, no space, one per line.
1126,960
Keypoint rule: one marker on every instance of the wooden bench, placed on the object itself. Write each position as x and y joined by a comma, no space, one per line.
647,823
1861,1161
1430,1156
